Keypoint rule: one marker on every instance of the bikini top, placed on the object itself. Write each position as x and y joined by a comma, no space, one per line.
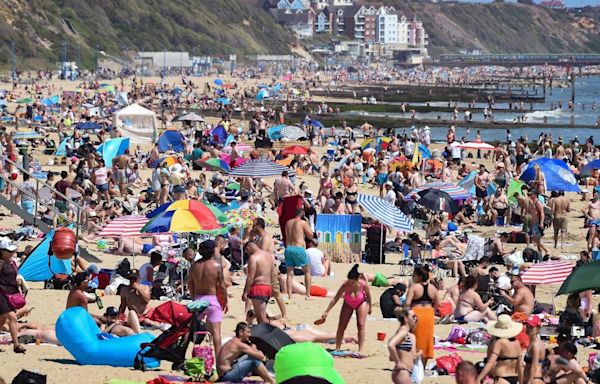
425,298
406,345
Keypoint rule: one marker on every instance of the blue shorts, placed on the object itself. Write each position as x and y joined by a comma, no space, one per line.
295,256
381,178
536,230
146,248
102,187
29,206
240,369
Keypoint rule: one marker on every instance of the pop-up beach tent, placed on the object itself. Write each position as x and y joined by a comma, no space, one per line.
170,139
137,123
113,148
36,266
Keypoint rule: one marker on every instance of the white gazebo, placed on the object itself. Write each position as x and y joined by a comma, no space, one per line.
137,123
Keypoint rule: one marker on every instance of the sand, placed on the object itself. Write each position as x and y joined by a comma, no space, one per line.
60,366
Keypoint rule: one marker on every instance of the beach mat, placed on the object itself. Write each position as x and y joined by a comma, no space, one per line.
347,354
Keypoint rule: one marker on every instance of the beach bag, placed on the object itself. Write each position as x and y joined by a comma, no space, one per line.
28,377
448,363
15,300
455,334
204,352
195,367
418,372
478,337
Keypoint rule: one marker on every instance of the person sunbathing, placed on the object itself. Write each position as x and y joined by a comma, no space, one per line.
31,331
470,307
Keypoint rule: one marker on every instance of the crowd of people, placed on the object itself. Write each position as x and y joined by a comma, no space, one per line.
447,245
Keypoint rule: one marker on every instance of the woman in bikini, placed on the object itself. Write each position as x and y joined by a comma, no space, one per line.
470,307
325,189
357,298
402,348
351,196
504,352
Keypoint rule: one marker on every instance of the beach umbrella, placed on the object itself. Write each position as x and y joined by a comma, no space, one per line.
180,221
477,145
274,132
191,117
189,204
295,150
214,164
385,212
113,148
233,186
455,191
286,161
584,277
171,160
218,82
292,132
557,174
223,100
548,272
227,159
25,100
123,226
88,125
590,167
260,168
437,201
468,182
27,135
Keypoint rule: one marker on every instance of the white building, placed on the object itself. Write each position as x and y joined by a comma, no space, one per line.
403,32
341,3
387,25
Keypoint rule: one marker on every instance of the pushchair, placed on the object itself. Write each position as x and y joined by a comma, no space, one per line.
173,343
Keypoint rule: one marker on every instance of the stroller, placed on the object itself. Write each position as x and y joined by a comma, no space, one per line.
173,343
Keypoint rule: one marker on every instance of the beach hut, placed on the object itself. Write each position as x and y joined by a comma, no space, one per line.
171,139
137,123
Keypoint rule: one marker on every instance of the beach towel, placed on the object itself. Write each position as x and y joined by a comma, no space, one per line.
347,354
424,330
287,211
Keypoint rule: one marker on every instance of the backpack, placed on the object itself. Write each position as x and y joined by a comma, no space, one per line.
123,268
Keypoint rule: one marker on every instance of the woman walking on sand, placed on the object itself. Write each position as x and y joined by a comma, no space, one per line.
357,298
9,286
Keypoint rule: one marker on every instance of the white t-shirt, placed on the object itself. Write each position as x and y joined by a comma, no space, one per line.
390,197
315,259
455,150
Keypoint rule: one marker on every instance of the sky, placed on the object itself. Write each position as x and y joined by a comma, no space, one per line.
568,3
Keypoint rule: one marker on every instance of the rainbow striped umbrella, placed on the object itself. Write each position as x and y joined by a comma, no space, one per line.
215,164
184,216
455,191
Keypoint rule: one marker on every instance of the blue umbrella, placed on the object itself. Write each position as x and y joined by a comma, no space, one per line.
223,100
590,167
88,125
218,82
557,174
261,86
113,148
316,123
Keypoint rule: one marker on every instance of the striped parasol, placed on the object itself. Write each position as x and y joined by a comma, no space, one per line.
292,132
123,226
385,212
260,168
548,272
455,191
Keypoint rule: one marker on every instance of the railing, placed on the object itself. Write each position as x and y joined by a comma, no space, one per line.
81,219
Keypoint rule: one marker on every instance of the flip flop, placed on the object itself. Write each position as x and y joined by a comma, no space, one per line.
320,321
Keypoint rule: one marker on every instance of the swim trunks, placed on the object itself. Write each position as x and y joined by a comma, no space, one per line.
560,223
214,312
260,292
295,256
536,230
146,248
380,280
591,223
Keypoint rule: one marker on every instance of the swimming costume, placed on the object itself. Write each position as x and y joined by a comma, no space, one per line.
214,312
380,280
260,292
146,248
355,301
406,345
591,223
295,256
424,299
381,178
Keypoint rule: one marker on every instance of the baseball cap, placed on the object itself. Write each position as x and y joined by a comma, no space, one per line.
111,311
305,360
7,244
534,321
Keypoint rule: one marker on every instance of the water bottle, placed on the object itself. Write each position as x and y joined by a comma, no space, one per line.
99,302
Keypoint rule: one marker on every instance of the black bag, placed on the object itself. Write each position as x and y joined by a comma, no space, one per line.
123,268
28,377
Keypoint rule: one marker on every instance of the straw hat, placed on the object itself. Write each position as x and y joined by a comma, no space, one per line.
504,328
176,168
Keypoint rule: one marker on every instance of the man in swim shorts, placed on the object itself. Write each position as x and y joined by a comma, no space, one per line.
205,278
296,230
258,282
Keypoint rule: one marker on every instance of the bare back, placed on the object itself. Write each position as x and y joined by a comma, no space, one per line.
203,278
295,231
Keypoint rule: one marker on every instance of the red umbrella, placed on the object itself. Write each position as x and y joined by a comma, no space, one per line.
295,150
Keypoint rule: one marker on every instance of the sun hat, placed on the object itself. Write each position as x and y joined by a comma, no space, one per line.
305,360
176,168
504,327
389,184
7,244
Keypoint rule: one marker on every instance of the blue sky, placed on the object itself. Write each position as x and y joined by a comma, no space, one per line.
568,3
